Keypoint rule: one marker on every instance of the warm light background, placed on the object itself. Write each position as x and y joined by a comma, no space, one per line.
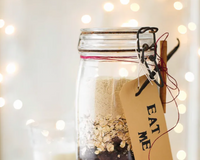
39,62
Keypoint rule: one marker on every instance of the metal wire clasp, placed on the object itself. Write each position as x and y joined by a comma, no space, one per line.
152,58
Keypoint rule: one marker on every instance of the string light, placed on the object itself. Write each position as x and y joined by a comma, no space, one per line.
10,29
182,29
11,68
189,76
124,1
60,125
86,19
2,23
178,5
182,96
182,108
192,26
108,7
1,77
181,155
2,102
17,104
29,121
178,128
123,72
135,7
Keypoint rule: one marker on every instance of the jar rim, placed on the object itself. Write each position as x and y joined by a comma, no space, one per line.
111,30
116,39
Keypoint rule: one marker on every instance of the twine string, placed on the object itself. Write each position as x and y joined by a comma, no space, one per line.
174,83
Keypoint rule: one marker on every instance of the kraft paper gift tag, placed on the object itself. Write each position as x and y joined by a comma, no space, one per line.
146,121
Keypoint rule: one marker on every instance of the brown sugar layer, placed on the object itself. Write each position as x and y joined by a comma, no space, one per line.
107,100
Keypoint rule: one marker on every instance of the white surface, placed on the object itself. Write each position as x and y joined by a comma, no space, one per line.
193,103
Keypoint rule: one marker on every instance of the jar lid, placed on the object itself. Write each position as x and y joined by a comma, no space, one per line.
121,39
111,30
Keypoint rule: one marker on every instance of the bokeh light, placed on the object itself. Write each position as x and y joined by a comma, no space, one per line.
2,102
199,52
133,23
2,23
182,108
60,125
29,121
133,68
86,19
189,76
123,72
135,7
182,29
125,25
182,96
1,77
178,128
17,104
178,5
124,1
192,26
108,7
10,68
181,155
45,133
10,29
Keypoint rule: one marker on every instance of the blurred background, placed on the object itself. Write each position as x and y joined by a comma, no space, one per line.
39,62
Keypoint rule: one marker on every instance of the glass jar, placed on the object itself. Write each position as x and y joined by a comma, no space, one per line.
108,61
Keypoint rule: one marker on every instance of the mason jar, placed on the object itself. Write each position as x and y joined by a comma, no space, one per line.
108,60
